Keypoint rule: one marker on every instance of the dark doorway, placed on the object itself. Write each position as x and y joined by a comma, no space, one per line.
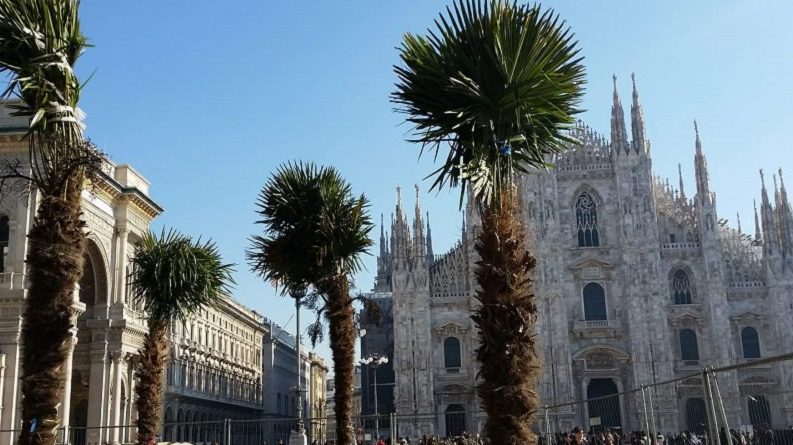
604,411
759,411
455,420
696,416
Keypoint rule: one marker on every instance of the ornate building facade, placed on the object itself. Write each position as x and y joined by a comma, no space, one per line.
215,372
216,366
108,327
280,375
637,283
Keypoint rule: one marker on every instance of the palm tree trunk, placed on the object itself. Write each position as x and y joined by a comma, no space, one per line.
56,244
507,342
149,388
342,345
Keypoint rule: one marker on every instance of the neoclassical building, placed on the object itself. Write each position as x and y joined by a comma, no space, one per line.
216,366
215,372
638,282
108,328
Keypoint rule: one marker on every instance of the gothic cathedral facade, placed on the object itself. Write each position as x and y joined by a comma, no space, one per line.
637,283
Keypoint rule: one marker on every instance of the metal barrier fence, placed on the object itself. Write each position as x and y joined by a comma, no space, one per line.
750,403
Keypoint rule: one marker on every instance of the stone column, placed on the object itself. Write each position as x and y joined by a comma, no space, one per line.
131,407
121,261
66,403
10,394
97,393
119,360
2,381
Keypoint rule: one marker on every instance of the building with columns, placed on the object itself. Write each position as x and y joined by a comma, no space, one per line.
280,377
216,362
215,372
637,282
316,398
108,328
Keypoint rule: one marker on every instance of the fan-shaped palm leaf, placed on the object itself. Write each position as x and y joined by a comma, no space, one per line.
315,230
497,84
40,41
173,277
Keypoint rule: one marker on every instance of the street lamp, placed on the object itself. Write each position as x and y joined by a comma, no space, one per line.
298,436
373,361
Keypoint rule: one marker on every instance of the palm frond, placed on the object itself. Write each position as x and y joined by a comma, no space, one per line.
314,227
40,41
495,83
174,276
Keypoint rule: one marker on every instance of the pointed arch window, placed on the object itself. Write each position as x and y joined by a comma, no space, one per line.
750,343
689,349
586,221
682,289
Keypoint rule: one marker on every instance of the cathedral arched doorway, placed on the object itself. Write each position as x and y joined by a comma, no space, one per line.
455,420
696,416
759,411
604,411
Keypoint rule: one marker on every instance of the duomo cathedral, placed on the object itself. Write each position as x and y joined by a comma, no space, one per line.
637,282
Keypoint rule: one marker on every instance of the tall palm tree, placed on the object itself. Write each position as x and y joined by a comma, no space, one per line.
497,85
40,41
173,277
314,232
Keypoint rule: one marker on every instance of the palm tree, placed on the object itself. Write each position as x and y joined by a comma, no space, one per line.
315,231
40,41
173,277
497,84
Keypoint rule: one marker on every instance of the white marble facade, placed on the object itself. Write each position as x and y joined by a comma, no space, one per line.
109,329
637,283
216,370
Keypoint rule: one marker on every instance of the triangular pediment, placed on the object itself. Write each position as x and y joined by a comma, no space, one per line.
588,262
748,316
451,328
684,315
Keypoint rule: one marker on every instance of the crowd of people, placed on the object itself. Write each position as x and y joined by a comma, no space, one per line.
762,435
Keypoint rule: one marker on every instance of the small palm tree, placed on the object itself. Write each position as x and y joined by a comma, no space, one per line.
315,231
497,84
173,277
40,41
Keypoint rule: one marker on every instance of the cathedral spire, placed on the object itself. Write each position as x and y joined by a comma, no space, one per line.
680,181
430,256
767,216
758,233
701,167
738,218
637,122
383,246
785,218
400,231
418,229
619,135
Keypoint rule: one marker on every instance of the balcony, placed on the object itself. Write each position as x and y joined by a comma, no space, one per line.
689,365
684,249
596,328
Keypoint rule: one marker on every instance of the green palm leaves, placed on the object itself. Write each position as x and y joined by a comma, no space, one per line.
315,228
495,82
173,276
40,41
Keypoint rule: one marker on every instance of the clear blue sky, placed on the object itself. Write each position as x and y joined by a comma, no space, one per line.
206,98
